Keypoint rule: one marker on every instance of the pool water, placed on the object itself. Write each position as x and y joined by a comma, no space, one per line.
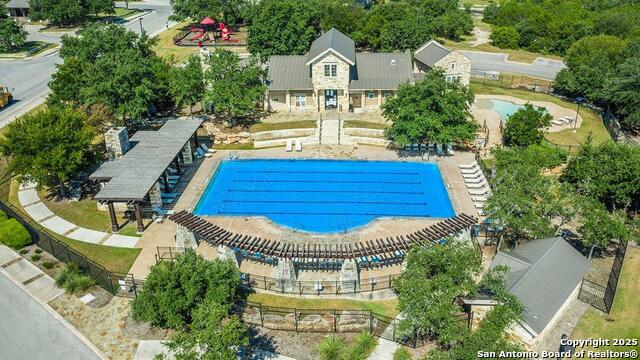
502,107
325,196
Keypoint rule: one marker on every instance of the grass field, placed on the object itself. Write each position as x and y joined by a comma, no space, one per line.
591,124
303,124
383,307
29,48
365,124
624,320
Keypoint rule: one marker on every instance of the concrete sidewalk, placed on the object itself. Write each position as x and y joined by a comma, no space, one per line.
37,283
30,201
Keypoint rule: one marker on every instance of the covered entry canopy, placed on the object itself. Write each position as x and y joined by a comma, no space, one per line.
130,177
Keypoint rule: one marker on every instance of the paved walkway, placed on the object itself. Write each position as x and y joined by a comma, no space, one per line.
29,328
30,201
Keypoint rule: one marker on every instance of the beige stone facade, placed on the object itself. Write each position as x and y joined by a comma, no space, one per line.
456,66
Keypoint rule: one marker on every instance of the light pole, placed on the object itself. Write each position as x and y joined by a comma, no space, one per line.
141,29
575,122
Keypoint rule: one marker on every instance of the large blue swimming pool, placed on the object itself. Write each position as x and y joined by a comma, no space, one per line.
325,196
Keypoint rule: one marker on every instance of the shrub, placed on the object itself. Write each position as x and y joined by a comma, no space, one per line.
13,234
505,37
402,354
365,343
35,257
48,264
37,251
331,348
72,280
23,251
3,216
526,126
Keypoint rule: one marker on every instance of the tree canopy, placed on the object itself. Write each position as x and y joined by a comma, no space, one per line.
227,11
599,227
283,27
186,84
175,294
48,146
110,65
63,12
234,89
525,126
433,110
12,35
433,279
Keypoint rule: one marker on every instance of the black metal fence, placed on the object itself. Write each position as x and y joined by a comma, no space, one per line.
512,81
601,296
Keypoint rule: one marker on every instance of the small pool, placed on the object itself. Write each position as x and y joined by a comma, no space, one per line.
325,196
502,107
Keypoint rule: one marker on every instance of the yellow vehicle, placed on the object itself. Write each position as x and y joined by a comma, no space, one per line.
5,97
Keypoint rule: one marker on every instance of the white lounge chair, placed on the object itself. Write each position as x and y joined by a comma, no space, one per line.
477,185
558,122
289,145
478,204
207,152
480,191
471,170
475,176
298,145
468,166
479,198
449,150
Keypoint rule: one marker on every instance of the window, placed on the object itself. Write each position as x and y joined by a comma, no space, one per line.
386,94
371,95
330,69
452,78
453,66
301,101
276,98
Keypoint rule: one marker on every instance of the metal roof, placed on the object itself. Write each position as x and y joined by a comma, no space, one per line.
334,40
289,73
384,71
543,274
131,176
17,4
430,53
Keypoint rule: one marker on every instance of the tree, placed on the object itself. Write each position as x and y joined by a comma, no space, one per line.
524,202
599,227
186,84
591,62
234,90
344,15
109,65
525,126
58,12
608,172
100,6
432,110
505,37
433,279
213,335
283,27
227,11
48,146
12,35
624,91
174,290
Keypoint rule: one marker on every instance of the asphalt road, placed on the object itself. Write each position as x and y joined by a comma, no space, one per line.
28,80
30,331
541,68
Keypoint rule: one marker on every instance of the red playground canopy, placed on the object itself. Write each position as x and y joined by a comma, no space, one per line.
207,21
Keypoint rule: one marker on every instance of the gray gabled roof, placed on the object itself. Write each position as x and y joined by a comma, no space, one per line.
543,274
384,71
333,40
430,53
17,4
132,176
289,73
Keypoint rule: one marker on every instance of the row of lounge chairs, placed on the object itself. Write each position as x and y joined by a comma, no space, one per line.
436,149
565,120
292,142
203,151
477,184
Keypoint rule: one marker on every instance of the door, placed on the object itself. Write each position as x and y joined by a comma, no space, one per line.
331,99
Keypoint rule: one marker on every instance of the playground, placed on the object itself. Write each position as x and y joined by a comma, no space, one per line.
209,32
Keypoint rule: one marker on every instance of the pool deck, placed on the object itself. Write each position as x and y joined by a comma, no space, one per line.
199,174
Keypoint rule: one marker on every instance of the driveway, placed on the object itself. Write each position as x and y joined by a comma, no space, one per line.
541,68
28,80
32,330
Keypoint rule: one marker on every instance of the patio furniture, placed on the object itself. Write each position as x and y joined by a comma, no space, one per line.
298,145
468,166
289,145
472,177
477,185
480,191
439,150
475,170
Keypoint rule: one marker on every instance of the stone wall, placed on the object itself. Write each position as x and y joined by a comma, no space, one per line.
341,321
306,140
462,66
279,134
341,81
117,142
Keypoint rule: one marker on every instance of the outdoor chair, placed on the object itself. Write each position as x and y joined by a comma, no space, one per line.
439,151
477,185
298,145
468,166
474,180
289,145
449,150
480,191
474,176
471,170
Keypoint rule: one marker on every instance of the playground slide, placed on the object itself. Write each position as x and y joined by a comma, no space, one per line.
199,35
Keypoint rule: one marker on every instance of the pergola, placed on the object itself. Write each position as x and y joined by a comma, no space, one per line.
129,178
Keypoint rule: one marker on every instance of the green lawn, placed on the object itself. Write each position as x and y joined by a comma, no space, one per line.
29,48
592,122
365,124
302,124
383,307
624,320
248,146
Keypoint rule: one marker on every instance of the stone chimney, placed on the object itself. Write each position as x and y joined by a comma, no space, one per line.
117,142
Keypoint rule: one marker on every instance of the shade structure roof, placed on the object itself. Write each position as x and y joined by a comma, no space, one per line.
207,21
130,177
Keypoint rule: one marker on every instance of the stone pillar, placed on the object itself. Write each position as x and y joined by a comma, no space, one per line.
186,239
379,98
154,196
117,142
288,100
349,276
226,253
285,275
187,154
464,234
